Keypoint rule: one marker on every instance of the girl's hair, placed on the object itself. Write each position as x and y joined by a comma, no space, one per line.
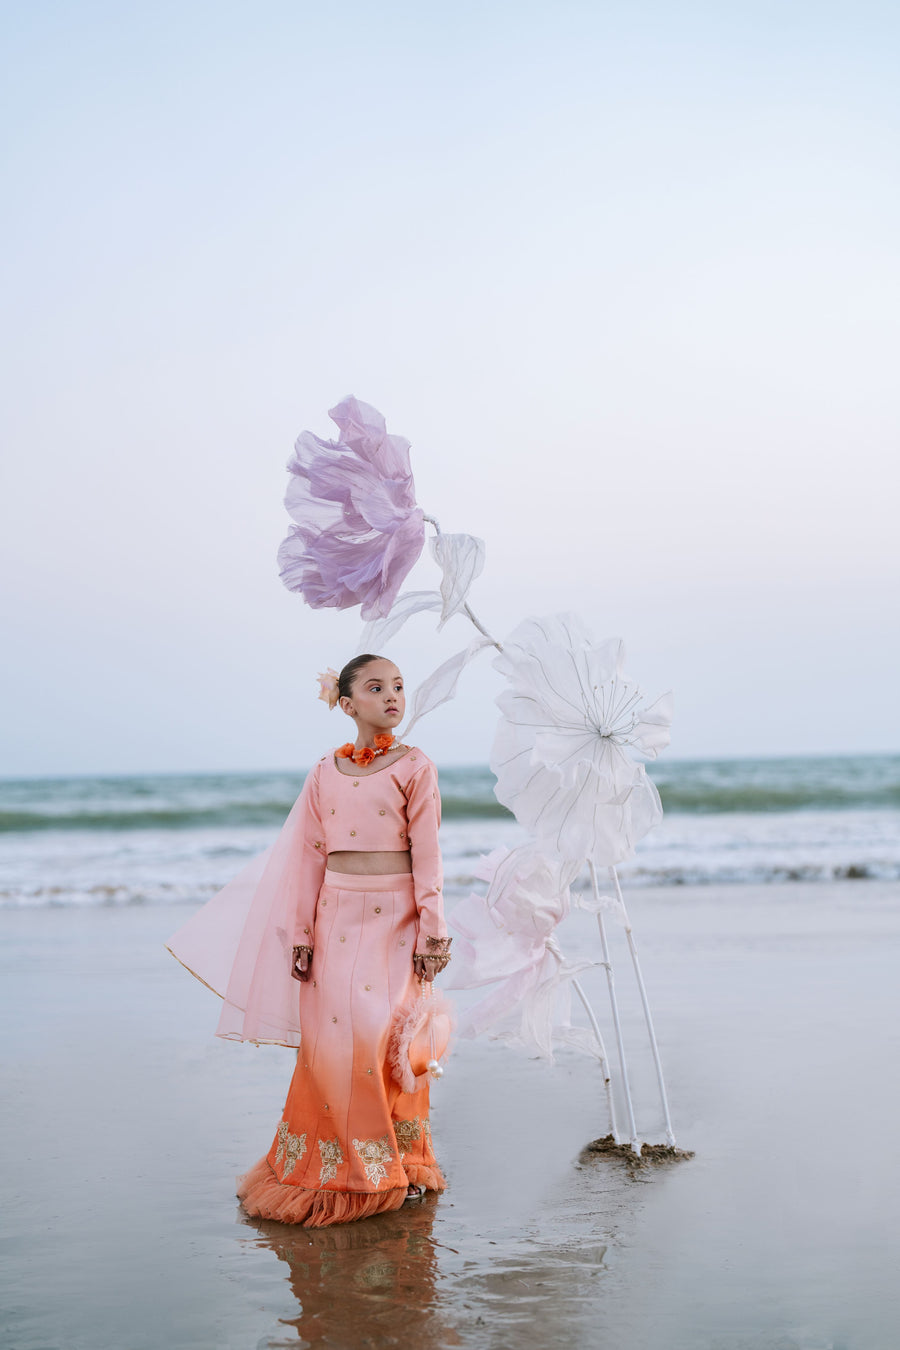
351,670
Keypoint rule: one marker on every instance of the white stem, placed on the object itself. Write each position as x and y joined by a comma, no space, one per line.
481,628
620,1042
554,951
604,1061
670,1137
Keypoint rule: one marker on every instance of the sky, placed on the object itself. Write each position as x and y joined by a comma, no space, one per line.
626,276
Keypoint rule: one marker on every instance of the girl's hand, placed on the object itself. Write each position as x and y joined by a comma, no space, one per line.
426,967
301,963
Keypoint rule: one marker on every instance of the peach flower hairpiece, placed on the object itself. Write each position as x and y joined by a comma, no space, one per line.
328,687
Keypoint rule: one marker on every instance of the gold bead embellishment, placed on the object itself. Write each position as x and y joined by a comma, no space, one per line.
381,813
356,782
334,1019
368,986
412,759
317,844
352,834
368,1070
403,942
343,939
377,909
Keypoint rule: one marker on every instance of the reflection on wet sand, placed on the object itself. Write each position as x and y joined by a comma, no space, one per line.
371,1283
386,1281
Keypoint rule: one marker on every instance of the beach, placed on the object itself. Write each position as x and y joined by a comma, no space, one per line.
776,1007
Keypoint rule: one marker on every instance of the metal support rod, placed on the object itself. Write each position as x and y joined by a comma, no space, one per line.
620,1042
670,1137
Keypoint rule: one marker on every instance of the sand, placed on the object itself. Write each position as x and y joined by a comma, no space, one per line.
125,1123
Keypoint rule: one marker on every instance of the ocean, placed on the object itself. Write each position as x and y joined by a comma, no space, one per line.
162,839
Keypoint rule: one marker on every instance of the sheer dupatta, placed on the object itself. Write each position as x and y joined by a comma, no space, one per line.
239,944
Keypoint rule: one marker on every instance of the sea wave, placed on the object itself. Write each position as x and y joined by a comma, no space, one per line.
226,801
178,839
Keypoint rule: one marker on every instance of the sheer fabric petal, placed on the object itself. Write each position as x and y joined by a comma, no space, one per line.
440,686
461,559
564,752
379,631
507,938
357,530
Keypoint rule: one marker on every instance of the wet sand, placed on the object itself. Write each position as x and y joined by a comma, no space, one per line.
776,1009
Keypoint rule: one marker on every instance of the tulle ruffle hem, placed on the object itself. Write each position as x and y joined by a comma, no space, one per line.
263,1196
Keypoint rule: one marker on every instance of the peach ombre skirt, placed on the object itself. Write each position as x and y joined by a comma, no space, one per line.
350,1141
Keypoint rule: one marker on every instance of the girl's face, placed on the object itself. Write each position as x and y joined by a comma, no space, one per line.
377,698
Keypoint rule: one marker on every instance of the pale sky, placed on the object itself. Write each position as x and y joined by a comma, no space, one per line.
626,275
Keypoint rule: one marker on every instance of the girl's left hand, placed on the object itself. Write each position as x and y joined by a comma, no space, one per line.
425,967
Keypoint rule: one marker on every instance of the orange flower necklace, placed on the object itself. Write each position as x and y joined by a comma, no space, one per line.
364,757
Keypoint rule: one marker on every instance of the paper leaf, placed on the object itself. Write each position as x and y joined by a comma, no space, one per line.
461,559
375,634
440,686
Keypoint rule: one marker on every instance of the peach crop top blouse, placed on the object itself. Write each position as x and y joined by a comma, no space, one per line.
395,809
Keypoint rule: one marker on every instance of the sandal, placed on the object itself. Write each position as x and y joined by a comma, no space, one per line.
414,1193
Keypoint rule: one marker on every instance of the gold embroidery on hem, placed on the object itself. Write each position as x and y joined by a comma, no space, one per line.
406,1131
291,1147
332,1157
373,1154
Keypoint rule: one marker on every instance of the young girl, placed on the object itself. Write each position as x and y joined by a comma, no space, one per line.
341,933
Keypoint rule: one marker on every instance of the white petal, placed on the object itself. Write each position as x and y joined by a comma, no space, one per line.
653,732
461,559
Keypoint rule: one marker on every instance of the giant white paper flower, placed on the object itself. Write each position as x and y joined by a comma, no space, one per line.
507,938
566,745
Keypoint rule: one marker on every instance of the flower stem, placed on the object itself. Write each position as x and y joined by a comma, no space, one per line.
614,1006
553,949
670,1137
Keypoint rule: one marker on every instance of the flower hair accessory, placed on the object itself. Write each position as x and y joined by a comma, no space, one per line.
328,687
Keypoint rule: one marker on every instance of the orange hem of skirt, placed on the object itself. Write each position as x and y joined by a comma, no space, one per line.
263,1196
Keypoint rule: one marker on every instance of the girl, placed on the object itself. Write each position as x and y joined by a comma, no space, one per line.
348,904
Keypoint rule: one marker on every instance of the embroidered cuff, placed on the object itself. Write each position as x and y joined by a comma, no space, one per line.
437,950
298,949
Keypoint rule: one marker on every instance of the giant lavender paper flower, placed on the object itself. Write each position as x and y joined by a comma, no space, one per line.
358,530
564,752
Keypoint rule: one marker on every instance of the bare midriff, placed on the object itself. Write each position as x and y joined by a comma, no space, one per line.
358,864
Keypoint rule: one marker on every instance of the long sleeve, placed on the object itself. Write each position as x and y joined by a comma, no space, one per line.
423,814
308,862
